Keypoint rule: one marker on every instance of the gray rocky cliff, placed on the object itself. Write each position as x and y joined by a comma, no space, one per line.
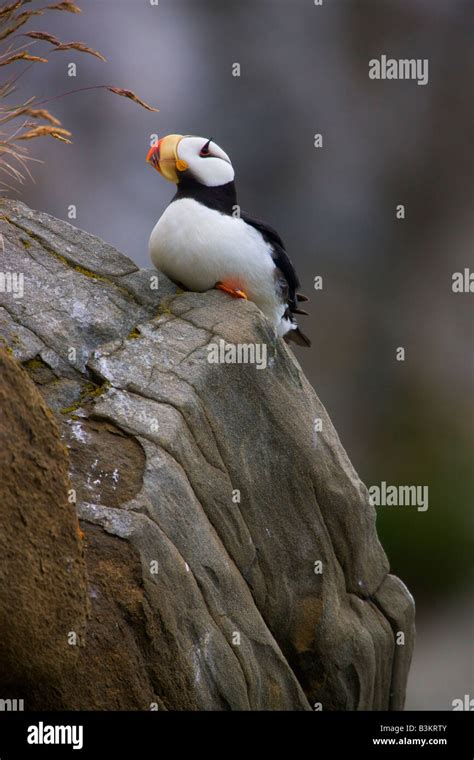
205,497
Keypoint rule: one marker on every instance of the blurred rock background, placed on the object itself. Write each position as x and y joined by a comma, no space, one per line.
387,282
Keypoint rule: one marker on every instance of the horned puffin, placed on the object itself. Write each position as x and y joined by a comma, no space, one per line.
202,241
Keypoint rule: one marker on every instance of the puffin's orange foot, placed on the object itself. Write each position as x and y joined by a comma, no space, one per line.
234,292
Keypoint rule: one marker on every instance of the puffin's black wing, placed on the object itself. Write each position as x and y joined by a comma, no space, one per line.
280,256
269,233
283,263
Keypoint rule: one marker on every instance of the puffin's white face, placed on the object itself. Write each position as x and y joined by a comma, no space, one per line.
207,163
177,157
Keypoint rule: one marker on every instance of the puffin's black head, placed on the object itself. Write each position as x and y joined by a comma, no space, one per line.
179,157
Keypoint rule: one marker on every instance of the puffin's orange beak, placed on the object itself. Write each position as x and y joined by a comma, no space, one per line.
163,156
153,155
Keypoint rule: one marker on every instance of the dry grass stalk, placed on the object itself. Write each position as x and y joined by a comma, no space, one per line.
26,120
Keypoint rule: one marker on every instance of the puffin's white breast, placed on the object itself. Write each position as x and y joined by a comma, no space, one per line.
198,246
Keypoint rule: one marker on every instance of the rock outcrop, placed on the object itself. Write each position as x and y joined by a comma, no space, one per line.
43,591
231,557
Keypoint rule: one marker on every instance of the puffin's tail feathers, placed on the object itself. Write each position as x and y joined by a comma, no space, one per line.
298,337
288,328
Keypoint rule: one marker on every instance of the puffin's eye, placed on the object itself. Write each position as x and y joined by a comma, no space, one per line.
204,152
